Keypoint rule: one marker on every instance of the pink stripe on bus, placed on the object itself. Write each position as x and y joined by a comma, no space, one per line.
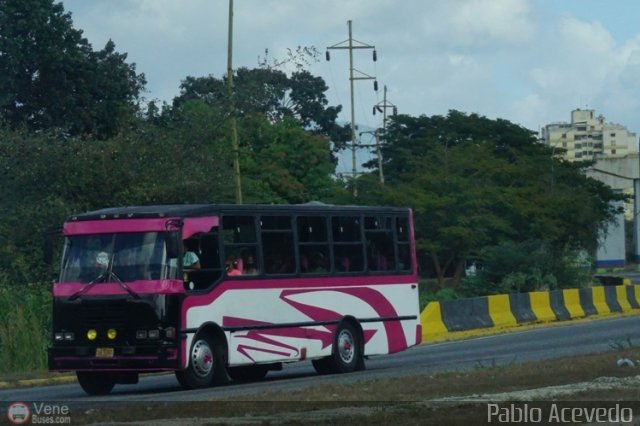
115,289
110,226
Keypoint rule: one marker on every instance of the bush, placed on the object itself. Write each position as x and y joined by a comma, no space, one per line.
25,326
430,294
517,267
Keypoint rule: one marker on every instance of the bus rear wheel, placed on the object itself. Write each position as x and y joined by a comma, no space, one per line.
248,373
96,382
347,353
205,364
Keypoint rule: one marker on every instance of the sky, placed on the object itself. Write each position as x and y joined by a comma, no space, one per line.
527,61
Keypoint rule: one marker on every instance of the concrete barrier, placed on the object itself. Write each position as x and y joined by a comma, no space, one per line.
500,311
600,301
541,306
433,327
479,315
466,314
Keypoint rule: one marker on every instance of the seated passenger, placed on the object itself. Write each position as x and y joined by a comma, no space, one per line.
190,259
233,267
250,267
318,265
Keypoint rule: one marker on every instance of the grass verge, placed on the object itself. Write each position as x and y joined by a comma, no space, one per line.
448,398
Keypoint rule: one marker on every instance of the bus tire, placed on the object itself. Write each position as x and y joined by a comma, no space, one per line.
205,363
346,355
248,373
96,382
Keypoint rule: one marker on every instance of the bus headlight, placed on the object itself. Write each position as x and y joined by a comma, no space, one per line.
154,334
59,337
112,334
68,336
92,334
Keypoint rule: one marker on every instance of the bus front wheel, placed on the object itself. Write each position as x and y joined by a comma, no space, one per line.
95,382
205,363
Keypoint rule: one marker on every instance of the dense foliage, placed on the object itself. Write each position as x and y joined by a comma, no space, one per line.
51,77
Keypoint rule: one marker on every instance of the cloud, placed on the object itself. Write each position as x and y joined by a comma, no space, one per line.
480,23
527,61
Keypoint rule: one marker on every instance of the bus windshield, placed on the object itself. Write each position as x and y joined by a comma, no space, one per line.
116,257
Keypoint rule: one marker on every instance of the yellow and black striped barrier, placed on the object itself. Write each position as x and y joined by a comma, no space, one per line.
481,315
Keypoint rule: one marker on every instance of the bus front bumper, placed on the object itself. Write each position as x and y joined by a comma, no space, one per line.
131,358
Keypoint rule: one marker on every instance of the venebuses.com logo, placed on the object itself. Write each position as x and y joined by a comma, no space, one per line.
18,413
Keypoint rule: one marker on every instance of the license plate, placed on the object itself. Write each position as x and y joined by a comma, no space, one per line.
104,352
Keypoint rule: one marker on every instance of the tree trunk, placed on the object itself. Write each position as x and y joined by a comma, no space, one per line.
457,276
438,268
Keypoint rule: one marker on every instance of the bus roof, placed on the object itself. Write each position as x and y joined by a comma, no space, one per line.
197,210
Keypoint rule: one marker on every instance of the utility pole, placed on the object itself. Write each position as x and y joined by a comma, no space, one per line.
235,146
361,76
376,135
382,107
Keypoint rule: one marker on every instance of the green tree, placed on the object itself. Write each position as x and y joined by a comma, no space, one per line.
283,163
475,182
270,93
50,77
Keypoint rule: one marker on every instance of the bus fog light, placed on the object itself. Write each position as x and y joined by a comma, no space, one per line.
92,334
154,334
112,334
59,337
170,333
141,334
69,336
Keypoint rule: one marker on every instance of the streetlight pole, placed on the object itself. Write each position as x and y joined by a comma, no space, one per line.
235,145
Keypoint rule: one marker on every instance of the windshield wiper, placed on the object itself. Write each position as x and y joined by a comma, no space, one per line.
84,289
124,286
102,278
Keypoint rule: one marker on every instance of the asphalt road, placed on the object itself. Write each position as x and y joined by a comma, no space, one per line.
555,341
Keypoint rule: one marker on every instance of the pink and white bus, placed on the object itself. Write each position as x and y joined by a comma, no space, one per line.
229,292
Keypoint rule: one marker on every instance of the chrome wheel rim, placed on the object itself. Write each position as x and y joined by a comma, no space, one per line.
346,346
202,358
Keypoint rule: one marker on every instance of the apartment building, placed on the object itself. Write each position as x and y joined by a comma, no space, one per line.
589,137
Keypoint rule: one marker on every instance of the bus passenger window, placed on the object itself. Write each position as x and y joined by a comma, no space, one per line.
379,241
207,249
240,245
277,245
348,253
313,244
402,237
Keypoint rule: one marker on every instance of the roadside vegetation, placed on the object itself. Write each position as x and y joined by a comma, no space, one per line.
77,133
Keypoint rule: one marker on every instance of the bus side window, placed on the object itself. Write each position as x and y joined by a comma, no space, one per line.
347,244
208,252
240,245
402,238
313,244
277,245
379,242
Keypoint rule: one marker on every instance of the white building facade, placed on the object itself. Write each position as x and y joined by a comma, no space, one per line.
589,137
615,152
